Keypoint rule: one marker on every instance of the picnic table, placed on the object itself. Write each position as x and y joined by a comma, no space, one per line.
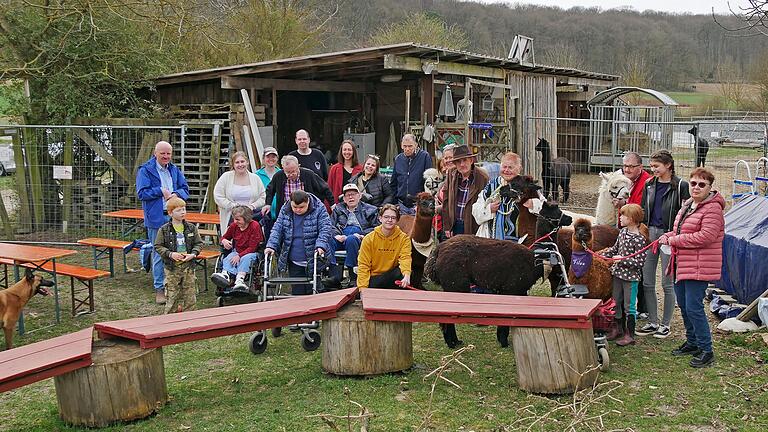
38,258
136,216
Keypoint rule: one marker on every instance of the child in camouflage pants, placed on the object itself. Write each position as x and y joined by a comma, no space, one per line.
178,243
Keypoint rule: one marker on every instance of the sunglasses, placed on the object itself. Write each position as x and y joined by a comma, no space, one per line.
701,185
372,156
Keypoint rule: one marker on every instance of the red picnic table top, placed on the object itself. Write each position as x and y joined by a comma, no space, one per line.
27,253
157,331
204,218
40,360
446,307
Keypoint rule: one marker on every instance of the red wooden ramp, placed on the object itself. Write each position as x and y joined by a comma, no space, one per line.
443,307
40,360
157,331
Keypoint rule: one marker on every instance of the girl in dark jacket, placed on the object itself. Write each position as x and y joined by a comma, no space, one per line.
662,197
375,189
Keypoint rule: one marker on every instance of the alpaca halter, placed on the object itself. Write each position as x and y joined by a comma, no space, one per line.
424,248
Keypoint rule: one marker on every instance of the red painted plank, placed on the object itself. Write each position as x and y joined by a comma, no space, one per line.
444,308
206,218
47,373
26,361
497,321
26,253
227,320
440,296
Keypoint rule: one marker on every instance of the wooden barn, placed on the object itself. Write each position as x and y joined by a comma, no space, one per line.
374,95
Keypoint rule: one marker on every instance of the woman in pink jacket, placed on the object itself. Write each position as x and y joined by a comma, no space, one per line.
697,257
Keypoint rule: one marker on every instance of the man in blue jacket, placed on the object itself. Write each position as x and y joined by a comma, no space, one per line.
408,173
302,229
157,181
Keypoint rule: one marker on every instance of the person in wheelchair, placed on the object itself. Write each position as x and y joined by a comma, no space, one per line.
302,228
352,220
242,240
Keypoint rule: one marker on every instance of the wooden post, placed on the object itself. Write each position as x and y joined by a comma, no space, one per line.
37,205
552,360
9,232
213,171
407,110
124,383
22,183
353,345
468,112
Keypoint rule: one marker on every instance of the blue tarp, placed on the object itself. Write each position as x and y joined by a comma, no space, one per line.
745,249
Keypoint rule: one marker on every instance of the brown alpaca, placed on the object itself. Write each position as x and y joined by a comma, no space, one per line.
597,277
422,240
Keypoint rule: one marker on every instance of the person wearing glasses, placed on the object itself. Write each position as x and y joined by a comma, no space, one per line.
632,167
696,242
385,253
373,187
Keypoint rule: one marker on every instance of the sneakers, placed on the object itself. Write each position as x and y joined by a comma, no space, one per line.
686,349
160,297
643,316
647,329
662,332
704,359
221,279
240,284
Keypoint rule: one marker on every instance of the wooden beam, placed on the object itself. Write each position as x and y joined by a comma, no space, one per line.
66,184
235,83
22,181
108,158
213,169
414,64
583,81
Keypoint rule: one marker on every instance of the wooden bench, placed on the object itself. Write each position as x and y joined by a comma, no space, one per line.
158,331
552,337
34,362
202,262
104,246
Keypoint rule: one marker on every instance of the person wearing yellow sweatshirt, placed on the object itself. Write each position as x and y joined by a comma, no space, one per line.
385,254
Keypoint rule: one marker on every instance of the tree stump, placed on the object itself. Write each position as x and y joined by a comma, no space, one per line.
124,383
552,360
353,345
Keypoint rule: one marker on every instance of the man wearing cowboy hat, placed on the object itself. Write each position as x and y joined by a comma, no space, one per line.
461,188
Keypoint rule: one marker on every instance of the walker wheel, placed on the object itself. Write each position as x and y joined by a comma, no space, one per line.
277,331
604,359
219,301
258,342
310,341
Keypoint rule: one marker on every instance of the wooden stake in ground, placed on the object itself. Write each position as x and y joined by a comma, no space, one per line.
124,383
751,310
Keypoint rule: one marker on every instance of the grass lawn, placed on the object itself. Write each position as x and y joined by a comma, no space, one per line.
690,98
218,385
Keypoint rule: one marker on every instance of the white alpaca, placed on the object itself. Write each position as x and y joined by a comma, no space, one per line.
613,185
433,180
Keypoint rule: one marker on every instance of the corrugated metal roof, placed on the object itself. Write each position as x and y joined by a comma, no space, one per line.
609,95
373,53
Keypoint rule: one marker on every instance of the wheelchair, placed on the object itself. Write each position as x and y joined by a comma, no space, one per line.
227,293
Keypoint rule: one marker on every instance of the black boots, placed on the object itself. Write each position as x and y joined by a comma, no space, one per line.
686,349
704,359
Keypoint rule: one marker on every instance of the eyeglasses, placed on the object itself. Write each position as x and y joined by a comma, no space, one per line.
388,217
632,166
701,185
372,156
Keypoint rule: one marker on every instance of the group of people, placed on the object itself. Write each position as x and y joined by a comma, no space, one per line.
686,218
305,210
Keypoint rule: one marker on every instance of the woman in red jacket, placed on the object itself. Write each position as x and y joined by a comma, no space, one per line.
697,257
342,171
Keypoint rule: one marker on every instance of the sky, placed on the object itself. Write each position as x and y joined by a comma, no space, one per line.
674,6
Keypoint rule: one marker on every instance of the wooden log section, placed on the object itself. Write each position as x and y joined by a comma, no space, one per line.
543,356
124,383
353,345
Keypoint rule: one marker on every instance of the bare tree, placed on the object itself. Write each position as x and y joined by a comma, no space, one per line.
563,54
753,16
731,85
636,72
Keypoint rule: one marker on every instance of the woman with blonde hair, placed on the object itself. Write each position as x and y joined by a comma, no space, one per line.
238,186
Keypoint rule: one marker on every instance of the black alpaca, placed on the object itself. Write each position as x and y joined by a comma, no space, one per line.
702,146
554,173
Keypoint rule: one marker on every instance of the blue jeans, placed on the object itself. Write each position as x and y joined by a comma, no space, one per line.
351,245
244,266
158,270
690,295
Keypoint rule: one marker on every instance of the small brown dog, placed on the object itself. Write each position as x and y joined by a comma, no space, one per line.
13,299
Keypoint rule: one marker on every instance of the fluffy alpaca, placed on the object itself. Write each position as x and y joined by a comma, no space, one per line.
433,180
422,240
702,146
612,185
500,266
603,236
597,275
555,173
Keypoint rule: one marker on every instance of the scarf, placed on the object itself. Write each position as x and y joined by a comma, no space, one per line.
504,224
581,261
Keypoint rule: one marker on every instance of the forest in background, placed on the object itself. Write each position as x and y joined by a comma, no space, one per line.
88,58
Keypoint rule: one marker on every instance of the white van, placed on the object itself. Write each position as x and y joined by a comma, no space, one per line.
7,163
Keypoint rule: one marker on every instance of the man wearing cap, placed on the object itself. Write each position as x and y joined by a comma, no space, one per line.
408,172
157,181
351,220
461,188
309,158
266,173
